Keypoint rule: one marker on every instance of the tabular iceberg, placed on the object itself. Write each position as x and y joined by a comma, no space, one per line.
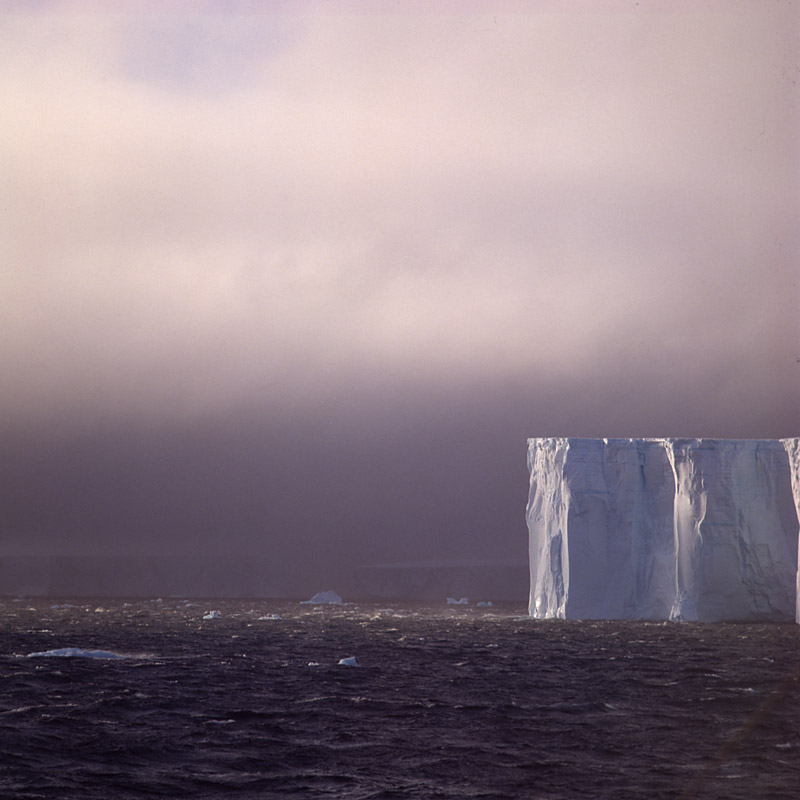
702,530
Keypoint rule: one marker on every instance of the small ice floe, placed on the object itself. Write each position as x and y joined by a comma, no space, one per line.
211,615
313,663
348,662
451,601
484,603
271,616
63,605
324,598
74,652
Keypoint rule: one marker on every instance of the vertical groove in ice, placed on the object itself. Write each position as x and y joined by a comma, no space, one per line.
793,451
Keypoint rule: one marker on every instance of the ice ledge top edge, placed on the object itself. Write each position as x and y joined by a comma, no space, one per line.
678,439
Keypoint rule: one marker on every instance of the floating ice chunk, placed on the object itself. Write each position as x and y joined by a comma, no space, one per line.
211,615
75,652
484,603
348,662
271,616
313,663
324,598
451,601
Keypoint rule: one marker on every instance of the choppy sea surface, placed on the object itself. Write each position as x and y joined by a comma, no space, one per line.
445,702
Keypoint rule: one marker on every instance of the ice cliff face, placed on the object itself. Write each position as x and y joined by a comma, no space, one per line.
793,451
682,529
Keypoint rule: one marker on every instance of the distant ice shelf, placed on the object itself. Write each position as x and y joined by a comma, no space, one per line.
698,530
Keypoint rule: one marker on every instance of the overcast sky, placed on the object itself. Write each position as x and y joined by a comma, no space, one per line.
301,278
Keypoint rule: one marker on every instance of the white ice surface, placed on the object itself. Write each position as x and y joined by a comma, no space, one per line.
324,598
211,615
683,529
793,451
74,652
350,661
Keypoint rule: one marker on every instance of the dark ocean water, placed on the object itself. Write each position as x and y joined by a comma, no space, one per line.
446,702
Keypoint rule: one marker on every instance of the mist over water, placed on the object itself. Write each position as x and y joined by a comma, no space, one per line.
310,497
311,502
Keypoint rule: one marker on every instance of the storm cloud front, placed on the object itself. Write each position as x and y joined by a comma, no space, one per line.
293,283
